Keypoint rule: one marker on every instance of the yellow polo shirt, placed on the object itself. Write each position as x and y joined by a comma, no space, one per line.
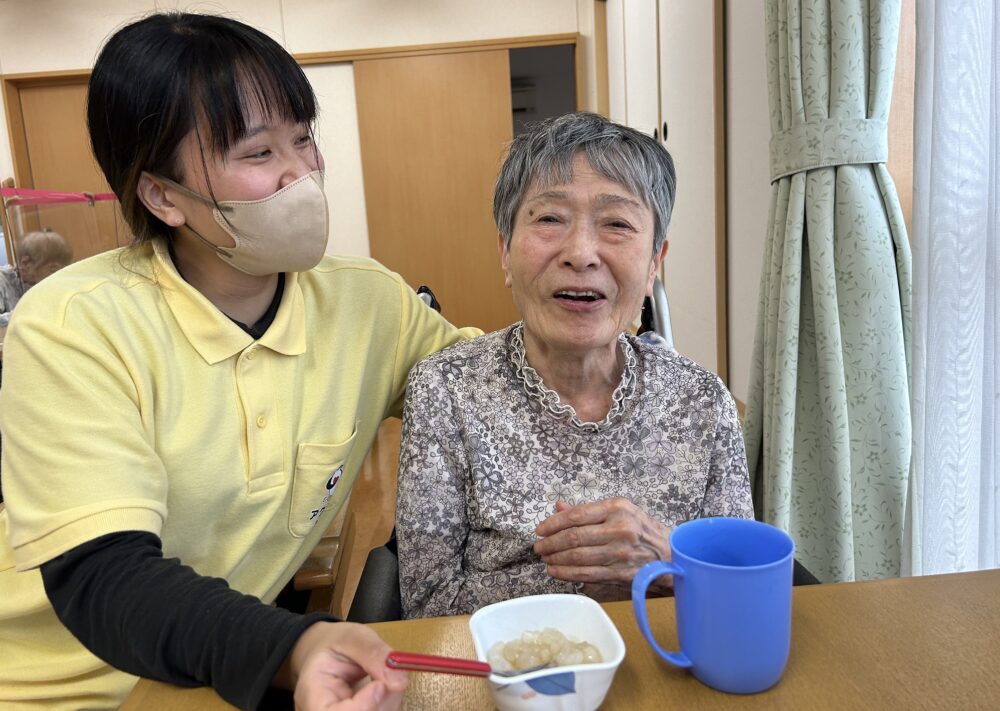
130,402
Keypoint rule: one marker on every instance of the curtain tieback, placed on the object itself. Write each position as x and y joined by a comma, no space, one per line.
820,144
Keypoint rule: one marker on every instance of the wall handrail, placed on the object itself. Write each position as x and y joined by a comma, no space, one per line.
28,197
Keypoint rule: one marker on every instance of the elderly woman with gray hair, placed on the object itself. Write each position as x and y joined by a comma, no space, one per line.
557,454
39,254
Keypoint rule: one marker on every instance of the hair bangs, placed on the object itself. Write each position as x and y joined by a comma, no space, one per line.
609,159
620,162
237,84
543,156
557,171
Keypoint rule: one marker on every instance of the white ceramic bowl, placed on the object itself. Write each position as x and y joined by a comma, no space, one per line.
581,687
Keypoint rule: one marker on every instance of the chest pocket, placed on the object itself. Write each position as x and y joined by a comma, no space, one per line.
318,483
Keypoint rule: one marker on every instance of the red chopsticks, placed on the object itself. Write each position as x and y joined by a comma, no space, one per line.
443,665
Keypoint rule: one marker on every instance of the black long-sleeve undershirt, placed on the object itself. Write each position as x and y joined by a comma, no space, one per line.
155,617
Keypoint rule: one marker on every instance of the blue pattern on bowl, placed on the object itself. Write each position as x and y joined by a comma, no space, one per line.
554,684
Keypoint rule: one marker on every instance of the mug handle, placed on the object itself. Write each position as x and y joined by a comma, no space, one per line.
640,584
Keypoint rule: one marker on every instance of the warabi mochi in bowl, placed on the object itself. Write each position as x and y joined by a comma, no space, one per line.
580,687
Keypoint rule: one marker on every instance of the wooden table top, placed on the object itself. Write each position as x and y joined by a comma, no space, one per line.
927,642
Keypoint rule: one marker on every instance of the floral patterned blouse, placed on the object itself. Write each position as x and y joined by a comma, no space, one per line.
488,449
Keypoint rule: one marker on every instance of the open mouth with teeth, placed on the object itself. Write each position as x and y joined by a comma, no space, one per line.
584,296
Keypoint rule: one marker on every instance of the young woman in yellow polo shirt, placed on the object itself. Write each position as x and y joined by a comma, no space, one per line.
182,418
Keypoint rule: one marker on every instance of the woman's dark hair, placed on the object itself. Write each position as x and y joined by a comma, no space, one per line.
160,78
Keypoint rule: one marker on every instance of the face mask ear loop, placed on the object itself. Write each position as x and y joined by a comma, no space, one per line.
200,198
187,191
216,248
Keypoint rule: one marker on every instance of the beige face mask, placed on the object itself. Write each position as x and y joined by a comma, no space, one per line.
284,232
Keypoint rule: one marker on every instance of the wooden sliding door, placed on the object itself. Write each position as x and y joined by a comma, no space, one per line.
432,131
55,145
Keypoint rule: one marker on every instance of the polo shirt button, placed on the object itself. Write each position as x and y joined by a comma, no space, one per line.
251,353
262,422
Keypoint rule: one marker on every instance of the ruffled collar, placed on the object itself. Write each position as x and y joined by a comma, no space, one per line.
549,399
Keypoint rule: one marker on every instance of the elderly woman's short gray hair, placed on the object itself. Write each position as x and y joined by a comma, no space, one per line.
621,154
44,247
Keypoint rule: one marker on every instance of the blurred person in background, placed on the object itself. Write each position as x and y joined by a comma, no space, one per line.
39,254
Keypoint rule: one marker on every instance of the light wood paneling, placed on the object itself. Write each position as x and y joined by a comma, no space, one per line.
4,227
373,508
356,55
54,127
601,50
432,132
334,568
59,76
15,129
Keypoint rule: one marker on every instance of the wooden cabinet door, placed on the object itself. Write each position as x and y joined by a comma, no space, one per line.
432,129
60,159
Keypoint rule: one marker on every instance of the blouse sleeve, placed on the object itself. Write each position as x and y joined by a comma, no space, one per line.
728,490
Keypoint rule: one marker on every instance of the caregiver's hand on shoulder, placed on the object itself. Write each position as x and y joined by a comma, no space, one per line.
604,542
341,666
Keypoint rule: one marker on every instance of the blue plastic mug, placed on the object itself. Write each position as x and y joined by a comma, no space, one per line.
733,595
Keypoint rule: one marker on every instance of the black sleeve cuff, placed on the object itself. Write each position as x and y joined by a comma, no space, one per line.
156,618
261,685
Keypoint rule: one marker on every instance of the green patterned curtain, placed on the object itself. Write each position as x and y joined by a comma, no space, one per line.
828,414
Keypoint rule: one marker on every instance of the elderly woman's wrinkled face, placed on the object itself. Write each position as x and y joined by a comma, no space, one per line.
580,260
32,273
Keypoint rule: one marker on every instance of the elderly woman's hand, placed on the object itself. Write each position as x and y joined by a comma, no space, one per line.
600,543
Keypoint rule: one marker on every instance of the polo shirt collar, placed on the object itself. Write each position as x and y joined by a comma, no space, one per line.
211,332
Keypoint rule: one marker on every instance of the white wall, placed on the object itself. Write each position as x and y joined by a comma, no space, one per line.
337,133
587,54
321,25
748,181
661,71
47,35
52,35
688,107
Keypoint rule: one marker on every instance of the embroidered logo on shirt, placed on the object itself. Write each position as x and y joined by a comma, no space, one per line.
331,484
